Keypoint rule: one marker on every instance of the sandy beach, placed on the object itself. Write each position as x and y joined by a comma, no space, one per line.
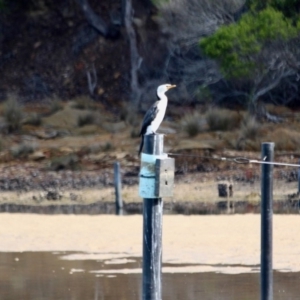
209,242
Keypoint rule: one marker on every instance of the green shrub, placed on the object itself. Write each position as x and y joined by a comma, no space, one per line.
236,45
13,114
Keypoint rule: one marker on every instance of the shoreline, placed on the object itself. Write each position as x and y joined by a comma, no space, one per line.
28,188
231,241
190,197
222,207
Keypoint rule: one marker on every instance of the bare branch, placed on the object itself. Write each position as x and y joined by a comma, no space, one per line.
272,84
135,58
187,21
94,20
92,79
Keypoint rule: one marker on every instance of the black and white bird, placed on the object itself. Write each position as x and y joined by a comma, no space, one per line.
155,115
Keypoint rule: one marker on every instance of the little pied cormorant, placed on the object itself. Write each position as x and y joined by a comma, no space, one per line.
155,114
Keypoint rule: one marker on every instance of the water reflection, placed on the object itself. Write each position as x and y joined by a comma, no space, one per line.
45,276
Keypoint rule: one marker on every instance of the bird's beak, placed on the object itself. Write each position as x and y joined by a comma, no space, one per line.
171,86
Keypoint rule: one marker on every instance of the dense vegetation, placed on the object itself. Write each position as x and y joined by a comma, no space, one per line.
248,50
256,50
222,51
237,45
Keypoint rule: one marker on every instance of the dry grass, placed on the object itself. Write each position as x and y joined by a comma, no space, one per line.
91,129
206,192
128,114
2,143
232,140
114,127
108,146
68,118
285,139
116,135
285,136
13,113
75,143
86,119
278,110
135,132
55,105
92,149
200,144
84,102
222,119
193,124
67,162
247,137
23,150
33,119
249,128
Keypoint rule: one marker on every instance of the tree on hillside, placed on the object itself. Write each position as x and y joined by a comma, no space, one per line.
289,8
174,54
111,30
255,54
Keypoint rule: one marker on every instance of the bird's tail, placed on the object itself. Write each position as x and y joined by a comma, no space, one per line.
141,145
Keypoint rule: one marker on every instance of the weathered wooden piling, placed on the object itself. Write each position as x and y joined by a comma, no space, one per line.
156,181
225,189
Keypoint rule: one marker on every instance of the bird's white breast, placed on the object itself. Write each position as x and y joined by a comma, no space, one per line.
161,106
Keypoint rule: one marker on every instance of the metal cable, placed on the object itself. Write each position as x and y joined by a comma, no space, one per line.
238,160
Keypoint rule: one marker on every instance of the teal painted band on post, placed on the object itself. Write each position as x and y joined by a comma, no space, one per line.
148,175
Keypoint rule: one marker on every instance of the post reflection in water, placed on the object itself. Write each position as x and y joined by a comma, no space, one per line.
45,276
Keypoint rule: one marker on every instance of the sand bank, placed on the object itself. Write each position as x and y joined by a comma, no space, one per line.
231,240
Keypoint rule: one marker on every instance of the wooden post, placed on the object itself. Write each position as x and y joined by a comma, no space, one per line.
118,189
152,231
156,181
223,189
266,268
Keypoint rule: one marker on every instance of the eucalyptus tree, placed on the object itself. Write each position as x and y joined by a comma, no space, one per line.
256,53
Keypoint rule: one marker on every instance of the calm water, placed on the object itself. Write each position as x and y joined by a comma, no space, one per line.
45,276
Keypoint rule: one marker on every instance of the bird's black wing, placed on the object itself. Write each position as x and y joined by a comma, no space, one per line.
149,117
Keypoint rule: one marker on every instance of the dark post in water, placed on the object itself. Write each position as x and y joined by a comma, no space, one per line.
266,266
118,189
